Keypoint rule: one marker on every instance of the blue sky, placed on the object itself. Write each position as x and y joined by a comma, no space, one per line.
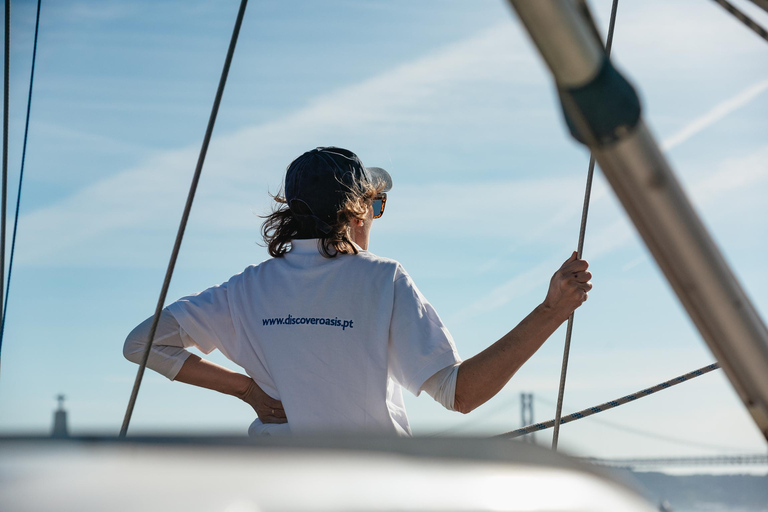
451,98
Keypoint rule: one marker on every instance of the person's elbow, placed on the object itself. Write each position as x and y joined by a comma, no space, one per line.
463,400
133,348
461,404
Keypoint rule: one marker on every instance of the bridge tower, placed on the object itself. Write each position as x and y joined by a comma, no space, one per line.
526,415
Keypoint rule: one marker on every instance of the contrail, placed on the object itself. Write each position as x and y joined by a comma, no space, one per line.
717,113
522,283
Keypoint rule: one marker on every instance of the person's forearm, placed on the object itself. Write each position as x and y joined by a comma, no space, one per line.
205,374
482,376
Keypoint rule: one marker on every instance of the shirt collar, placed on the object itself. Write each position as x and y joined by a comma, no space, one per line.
306,246
310,246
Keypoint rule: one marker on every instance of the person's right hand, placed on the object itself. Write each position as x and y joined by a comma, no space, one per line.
267,408
569,287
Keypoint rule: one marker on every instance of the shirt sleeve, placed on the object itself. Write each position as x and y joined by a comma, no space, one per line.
167,354
442,386
419,343
206,318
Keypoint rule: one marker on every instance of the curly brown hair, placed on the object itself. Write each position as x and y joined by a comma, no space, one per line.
281,226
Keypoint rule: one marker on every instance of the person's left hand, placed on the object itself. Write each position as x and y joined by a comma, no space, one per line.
267,408
569,287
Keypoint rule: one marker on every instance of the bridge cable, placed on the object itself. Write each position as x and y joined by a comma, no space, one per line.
746,20
6,94
582,233
184,218
611,404
654,435
21,179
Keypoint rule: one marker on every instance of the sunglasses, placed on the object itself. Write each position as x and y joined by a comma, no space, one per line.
378,205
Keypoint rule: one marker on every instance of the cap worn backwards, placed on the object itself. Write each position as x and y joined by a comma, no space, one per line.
317,183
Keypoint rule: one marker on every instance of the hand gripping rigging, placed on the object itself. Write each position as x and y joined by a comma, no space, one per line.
582,234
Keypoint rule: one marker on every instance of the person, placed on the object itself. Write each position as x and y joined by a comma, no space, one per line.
329,333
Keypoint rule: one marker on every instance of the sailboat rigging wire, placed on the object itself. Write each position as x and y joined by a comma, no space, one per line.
6,70
746,20
184,217
610,405
21,179
582,234
763,4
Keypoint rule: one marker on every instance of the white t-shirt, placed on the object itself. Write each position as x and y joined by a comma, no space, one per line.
333,338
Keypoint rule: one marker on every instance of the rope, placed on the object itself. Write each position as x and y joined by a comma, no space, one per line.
582,234
610,405
6,87
184,217
21,178
749,22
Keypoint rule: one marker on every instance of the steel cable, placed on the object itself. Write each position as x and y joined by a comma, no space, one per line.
6,94
746,20
763,4
184,217
21,179
582,234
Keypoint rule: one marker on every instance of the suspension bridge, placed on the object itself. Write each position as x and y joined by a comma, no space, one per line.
719,460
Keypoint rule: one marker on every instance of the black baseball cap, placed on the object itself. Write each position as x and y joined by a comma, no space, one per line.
317,183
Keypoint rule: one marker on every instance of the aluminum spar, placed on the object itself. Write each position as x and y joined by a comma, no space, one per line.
603,112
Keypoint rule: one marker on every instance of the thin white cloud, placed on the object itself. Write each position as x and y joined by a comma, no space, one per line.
717,113
665,37
409,99
484,209
106,223
731,175
89,11
66,135
634,263
518,286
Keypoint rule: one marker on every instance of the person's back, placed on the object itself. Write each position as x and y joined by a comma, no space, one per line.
332,338
329,333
